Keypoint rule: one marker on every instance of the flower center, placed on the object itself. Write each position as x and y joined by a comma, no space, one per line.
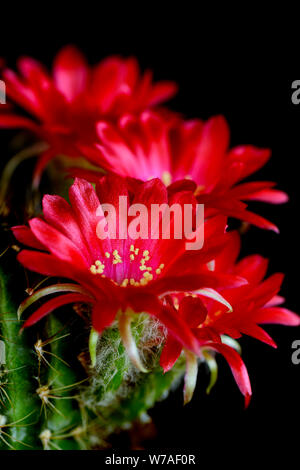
147,272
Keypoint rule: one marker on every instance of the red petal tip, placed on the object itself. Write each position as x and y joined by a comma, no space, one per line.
247,400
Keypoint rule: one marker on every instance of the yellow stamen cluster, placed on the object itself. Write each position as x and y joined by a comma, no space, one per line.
117,258
160,268
147,276
98,267
134,251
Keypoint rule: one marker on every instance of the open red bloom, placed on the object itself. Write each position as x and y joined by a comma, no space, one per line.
253,304
172,149
67,105
115,275
193,311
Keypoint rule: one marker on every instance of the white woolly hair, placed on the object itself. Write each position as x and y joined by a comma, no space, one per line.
110,353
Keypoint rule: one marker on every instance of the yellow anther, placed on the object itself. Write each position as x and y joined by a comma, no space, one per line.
147,275
132,282
166,178
107,255
143,268
125,282
93,269
146,253
97,268
143,261
131,247
161,266
132,257
158,271
136,251
117,258
147,258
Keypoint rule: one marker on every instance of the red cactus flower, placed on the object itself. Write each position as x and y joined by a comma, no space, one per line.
254,304
172,149
118,275
67,105
251,305
193,311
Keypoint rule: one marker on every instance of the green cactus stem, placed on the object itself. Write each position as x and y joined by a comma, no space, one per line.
20,411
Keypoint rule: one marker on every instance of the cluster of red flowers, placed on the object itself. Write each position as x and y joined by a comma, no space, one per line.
112,115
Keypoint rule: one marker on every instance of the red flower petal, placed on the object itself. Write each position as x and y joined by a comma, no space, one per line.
213,144
237,367
253,268
250,159
45,264
85,205
162,91
57,243
192,311
271,196
277,315
59,214
268,289
104,313
24,235
193,282
70,72
228,255
14,122
170,353
52,304
259,191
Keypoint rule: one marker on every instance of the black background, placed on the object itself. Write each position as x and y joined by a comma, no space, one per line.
257,104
